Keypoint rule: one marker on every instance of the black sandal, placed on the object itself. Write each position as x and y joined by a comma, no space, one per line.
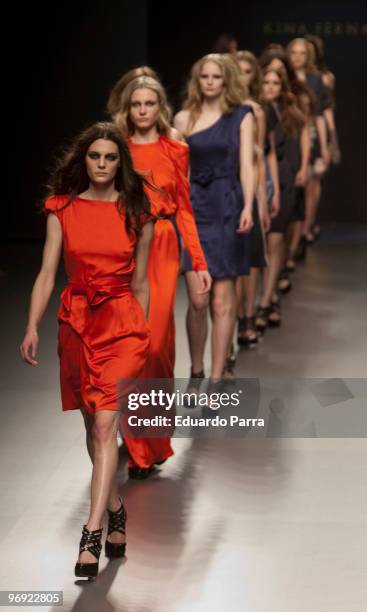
274,308
229,366
262,313
246,324
290,265
116,522
283,276
91,542
193,386
140,473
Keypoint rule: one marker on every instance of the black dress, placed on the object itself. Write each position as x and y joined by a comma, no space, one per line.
288,166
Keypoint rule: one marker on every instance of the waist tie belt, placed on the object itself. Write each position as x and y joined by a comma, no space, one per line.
207,174
96,291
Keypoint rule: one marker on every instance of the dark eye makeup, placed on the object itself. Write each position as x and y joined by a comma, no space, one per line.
109,156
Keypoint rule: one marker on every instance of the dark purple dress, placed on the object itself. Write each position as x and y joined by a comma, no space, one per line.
217,196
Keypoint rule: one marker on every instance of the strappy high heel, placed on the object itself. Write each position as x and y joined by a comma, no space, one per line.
247,324
116,522
229,366
284,283
290,264
261,319
274,309
193,386
90,542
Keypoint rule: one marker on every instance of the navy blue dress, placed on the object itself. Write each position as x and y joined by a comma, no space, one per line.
217,196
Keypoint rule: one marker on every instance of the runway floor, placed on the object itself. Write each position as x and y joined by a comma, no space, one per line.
242,525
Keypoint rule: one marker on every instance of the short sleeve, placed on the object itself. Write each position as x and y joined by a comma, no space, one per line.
55,205
147,218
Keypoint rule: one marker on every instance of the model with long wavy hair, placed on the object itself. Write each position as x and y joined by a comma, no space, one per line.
158,152
246,285
301,57
98,212
219,129
288,146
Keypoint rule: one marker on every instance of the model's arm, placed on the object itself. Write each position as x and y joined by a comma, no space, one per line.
273,165
261,189
186,223
247,171
305,143
180,121
42,288
322,134
139,282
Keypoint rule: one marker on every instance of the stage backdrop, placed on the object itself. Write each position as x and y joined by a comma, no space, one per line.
343,27
64,64
58,83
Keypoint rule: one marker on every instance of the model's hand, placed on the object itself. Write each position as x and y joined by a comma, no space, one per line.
274,205
29,347
301,177
205,281
246,222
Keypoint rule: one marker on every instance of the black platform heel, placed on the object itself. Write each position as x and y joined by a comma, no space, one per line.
116,522
274,309
246,324
229,365
284,284
261,318
91,542
193,386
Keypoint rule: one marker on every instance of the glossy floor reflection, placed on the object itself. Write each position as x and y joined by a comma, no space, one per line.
273,525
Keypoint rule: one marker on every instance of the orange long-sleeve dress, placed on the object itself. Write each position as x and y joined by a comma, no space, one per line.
103,333
165,163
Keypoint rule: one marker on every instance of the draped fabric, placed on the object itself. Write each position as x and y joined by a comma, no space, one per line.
165,163
103,334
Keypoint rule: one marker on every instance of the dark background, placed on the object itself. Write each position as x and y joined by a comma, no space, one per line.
61,66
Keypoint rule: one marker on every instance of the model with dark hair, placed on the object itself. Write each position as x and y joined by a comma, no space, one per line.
225,43
98,212
246,285
288,143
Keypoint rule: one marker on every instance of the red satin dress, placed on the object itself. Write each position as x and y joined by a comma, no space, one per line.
165,163
103,333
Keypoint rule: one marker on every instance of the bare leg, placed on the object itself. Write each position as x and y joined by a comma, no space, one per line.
223,312
196,321
296,236
102,445
241,296
276,246
113,500
250,284
313,194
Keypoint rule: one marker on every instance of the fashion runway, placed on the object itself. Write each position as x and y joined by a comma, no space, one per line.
261,525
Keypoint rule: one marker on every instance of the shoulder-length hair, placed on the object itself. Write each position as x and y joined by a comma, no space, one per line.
230,97
292,117
254,86
114,100
122,117
70,177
